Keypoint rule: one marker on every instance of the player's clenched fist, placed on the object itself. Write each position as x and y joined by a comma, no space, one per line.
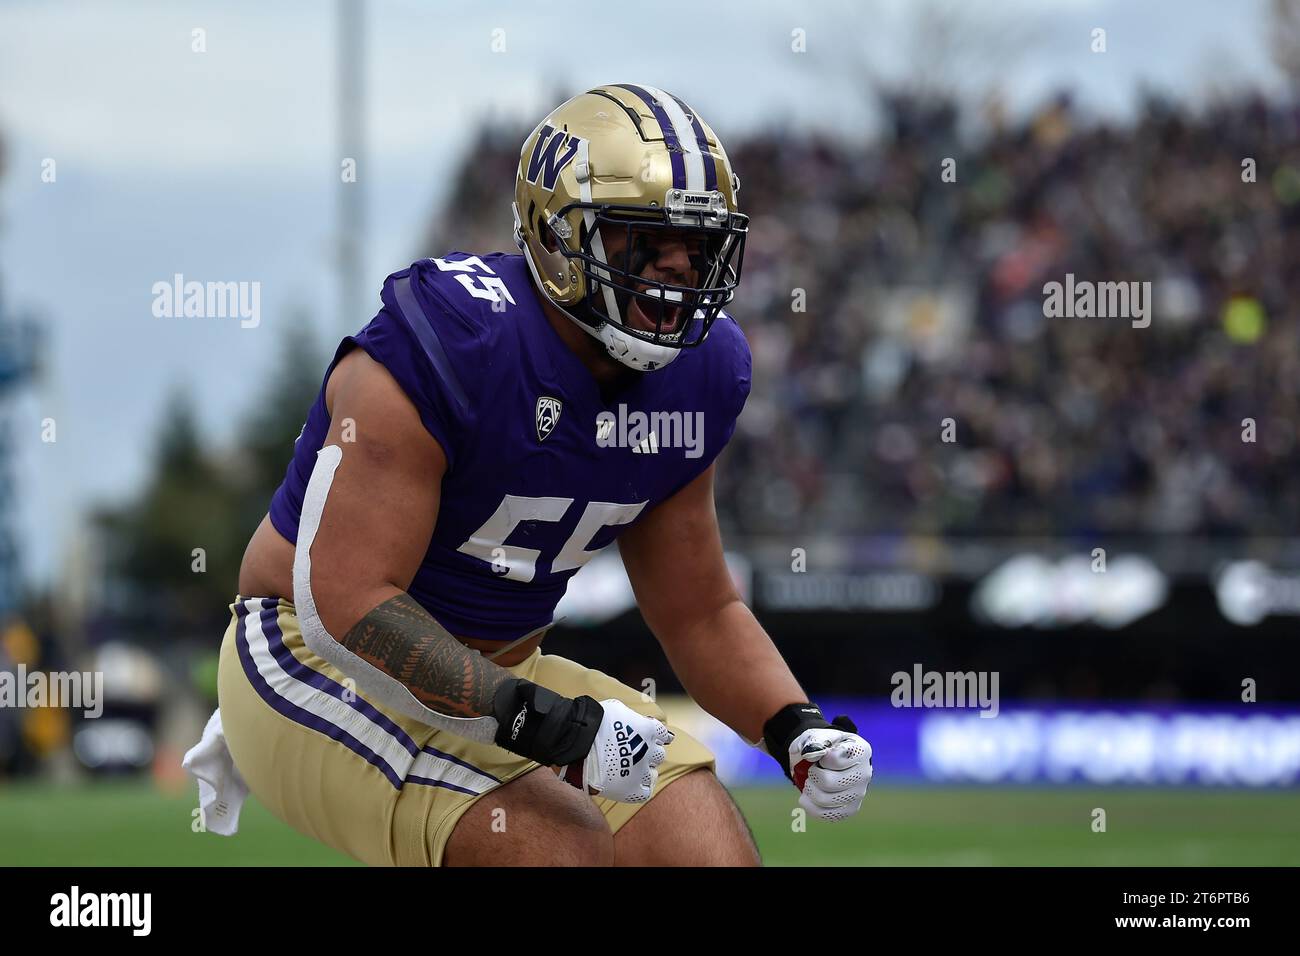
628,748
828,762
616,749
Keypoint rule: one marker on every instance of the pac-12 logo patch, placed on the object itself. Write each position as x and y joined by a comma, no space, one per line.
548,414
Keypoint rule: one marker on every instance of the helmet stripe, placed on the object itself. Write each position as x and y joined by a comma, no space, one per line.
689,145
710,166
667,128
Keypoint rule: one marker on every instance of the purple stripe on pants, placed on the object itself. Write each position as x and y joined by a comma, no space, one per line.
296,713
320,682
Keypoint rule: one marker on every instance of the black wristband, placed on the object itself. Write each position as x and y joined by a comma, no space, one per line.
539,724
787,724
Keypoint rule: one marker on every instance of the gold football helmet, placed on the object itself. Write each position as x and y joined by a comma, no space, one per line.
635,171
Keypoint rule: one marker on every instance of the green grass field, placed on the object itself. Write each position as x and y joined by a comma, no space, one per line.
132,824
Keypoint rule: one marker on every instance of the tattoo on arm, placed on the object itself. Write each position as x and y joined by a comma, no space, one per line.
404,641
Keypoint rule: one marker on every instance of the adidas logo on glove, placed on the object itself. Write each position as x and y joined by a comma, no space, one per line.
631,747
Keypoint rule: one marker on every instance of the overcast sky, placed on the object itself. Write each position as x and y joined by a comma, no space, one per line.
223,165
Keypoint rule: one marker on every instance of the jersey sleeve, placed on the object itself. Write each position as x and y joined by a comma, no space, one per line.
742,363
740,375
432,350
726,381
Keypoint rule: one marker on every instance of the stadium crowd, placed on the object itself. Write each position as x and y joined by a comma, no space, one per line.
893,286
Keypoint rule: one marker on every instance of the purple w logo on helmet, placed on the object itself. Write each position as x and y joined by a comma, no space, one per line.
547,160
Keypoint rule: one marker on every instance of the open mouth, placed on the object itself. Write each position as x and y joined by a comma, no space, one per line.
647,322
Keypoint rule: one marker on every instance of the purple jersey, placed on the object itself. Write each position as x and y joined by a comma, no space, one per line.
542,471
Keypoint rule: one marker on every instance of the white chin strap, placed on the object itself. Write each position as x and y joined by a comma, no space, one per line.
631,351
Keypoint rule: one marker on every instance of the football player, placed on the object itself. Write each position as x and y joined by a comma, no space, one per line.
382,686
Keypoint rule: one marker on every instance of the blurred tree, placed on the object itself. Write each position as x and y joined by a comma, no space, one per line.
175,549
1283,29
265,441
172,555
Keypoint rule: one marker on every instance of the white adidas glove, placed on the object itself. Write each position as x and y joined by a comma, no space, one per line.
832,769
827,761
627,749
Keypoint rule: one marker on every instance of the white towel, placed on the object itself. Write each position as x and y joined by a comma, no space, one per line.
222,790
